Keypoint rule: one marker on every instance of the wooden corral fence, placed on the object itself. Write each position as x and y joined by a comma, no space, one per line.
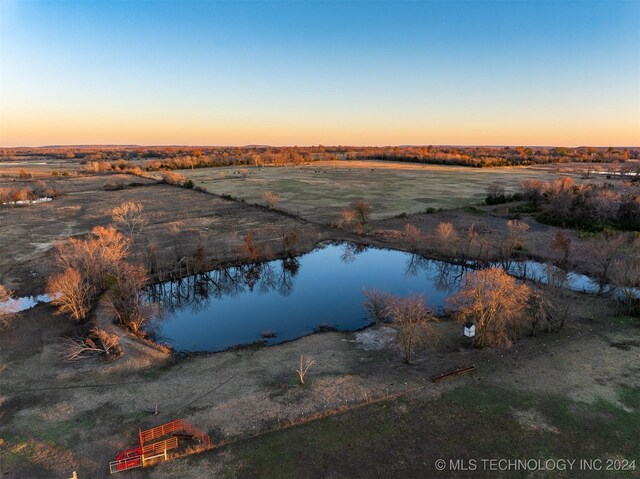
155,442
179,425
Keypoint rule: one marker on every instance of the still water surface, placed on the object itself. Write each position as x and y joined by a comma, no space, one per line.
293,298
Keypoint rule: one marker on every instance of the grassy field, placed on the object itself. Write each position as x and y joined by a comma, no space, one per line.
178,219
569,395
572,394
470,423
320,191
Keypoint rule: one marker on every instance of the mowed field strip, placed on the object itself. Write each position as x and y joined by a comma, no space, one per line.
320,191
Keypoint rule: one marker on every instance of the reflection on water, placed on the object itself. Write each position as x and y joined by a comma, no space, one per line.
549,274
319,290
293,297
194,293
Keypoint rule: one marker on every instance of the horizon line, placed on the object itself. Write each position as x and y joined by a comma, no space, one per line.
404,145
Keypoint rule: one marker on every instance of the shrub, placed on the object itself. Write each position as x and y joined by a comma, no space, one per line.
413,319
7,311
377,304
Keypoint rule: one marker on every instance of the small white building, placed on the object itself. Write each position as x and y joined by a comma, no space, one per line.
469,330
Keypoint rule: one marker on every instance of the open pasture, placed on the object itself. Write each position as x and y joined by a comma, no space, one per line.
177,220
320,191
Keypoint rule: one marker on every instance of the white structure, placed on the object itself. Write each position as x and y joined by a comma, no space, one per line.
469,330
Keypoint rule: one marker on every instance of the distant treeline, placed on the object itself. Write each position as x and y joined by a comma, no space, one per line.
171,158
589,207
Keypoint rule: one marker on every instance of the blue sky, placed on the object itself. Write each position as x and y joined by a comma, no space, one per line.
544,72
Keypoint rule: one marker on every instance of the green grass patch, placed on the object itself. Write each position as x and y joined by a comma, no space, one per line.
15,450
473,421
66,431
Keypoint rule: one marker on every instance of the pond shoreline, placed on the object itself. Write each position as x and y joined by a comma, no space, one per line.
197,304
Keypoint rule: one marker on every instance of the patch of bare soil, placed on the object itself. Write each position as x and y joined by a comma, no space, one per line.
533,419
374,339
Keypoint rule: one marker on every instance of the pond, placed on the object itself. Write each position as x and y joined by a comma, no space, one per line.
15,305
282,300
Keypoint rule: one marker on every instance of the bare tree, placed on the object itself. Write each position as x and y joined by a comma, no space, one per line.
86,265
112,246
376,303
173,178
98,342
512,241
495,302
200,257
562,245
126,296
560,195
602,205
601,252
304,368
472,245
625,274
129,218
362,209
289,240
94,257
346,218
151,256
447,237
412,234
413,319
250,250
533,190
7,308
80,255
271,199
495,194
70,293
548,310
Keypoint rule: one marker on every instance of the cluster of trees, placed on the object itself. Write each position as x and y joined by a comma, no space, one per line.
411,315
251,251
100,263
499,156
495,302
590,207
616,262
170,158
473,244
611,258
35,192
357,216
499,306
103,264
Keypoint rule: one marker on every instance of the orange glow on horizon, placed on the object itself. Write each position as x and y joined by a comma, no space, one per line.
42,129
